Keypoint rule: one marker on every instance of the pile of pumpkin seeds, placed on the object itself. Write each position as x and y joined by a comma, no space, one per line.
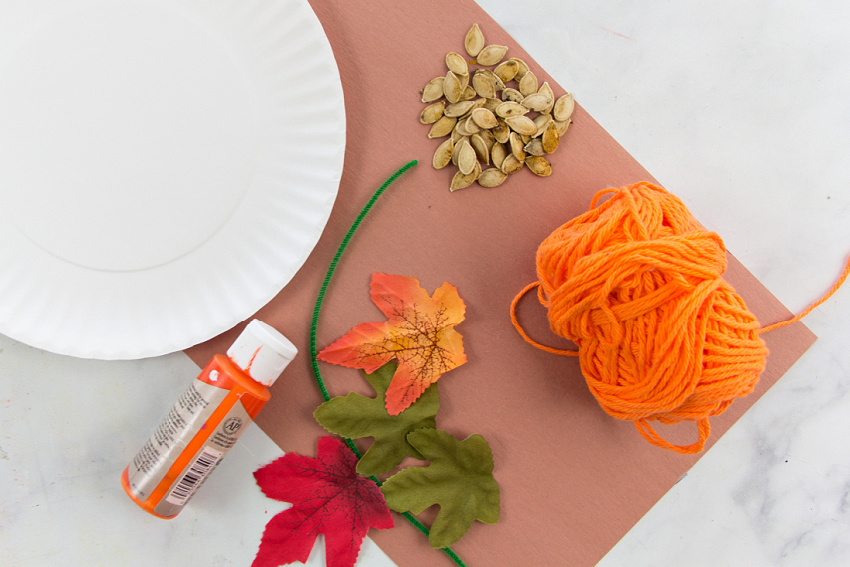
497,120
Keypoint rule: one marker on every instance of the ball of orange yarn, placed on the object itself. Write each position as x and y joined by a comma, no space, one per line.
637,284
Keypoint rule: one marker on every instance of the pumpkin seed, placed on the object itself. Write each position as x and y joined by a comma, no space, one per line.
457,109
517,146
462,180
498,152
535,148
470,125
550,138
474,41
512,95
452,87
433,90
493,77
442,127
537,102
489,139
460,128
545,89
528,84
432,113
491,54
484,118
466,158
492,177
541,120
443,155
562,126
522,67
482,152
484,84
539,166
507,70
456,63
491,104
521,125
510,108
511,164
457,145
501,132
564,107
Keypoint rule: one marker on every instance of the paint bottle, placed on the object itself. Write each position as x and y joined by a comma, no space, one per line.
206,421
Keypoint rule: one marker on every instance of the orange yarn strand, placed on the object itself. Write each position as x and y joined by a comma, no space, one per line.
636,283
522,332
841,279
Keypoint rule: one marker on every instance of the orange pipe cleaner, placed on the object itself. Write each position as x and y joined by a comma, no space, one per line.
636,283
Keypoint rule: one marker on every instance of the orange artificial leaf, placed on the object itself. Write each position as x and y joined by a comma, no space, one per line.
419,334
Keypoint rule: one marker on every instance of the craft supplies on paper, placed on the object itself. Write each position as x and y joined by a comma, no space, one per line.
206,421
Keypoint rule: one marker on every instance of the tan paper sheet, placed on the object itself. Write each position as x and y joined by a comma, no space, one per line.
573,479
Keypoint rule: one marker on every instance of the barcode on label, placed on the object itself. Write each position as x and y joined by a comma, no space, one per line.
194,477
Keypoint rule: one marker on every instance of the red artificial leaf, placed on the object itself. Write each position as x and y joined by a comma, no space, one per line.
328,497
419,333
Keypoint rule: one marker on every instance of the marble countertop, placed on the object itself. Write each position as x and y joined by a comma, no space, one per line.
740,108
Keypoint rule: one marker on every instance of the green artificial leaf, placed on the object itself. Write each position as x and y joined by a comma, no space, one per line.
459,478
357,416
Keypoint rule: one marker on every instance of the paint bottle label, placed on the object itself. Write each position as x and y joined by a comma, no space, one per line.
205,461
186,420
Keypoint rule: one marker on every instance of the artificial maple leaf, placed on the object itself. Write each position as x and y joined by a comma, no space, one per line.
328,498
419,333
459,478
357,416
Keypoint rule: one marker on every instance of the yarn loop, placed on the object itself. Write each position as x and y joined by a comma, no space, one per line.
637,284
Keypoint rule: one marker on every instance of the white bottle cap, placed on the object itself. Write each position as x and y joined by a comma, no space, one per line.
262,352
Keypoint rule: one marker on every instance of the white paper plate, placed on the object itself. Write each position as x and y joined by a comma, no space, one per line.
166,166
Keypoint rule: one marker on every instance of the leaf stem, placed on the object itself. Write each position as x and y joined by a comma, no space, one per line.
314,323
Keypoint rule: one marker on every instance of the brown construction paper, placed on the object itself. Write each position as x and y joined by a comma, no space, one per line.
573,480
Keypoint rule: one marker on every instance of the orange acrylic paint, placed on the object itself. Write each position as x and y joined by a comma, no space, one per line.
206,421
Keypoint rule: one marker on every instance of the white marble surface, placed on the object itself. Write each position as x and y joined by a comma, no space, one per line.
68,427
739,107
